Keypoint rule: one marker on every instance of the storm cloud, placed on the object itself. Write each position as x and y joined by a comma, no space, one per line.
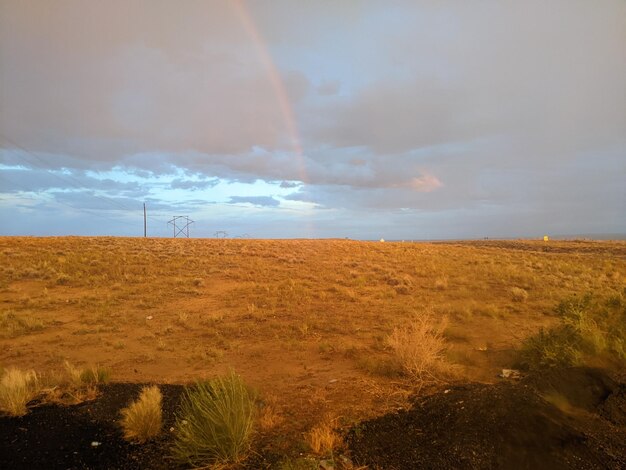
464,115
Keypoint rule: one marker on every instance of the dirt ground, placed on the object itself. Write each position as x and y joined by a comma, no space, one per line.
508,425
305,322
85,436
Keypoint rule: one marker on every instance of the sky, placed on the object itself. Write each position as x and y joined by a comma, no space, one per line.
313,119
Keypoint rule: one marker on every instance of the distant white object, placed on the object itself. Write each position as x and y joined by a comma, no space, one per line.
382,240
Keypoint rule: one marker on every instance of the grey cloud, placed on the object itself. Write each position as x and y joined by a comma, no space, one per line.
89,200
265,201
396,117
461,108
329,87
296,84
213,97
84,199
37,180
194,185
563,193
166,209
140,89
327,166
526,76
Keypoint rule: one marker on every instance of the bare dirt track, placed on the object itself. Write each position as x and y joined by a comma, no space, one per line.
305,322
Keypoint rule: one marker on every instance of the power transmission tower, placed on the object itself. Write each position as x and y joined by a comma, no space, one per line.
221,234
183,225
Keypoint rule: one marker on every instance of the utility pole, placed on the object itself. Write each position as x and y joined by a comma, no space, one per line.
145,225
181,229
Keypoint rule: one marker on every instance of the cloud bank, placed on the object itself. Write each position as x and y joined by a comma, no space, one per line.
466,115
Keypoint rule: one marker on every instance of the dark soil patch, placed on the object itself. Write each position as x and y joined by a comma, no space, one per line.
51,437
508,425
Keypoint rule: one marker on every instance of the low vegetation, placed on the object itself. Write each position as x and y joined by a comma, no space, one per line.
591,331
215,422
420,346
17,389
323,439
142,420
20,387
95,375
76,385
13,324
518,294
324,326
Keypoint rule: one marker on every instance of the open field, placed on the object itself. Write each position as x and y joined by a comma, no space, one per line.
307,323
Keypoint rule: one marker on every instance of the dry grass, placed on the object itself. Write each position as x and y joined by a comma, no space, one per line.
89,376
323,439
268,418
420,346
13,324
17,389
142,420
518,294
290,315
73,385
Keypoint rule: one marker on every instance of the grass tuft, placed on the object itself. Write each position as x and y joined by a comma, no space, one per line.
267,417
79,384
12,324
142,420
518,294
17,388
95,375
323,438
215,422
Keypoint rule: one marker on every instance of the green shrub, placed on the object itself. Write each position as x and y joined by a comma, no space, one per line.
95,375
215,422
556,347
574,306
589,330
142,420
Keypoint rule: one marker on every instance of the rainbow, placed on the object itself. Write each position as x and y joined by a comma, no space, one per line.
276,82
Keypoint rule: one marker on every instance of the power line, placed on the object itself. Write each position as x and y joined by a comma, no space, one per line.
78,209
73,182
68,179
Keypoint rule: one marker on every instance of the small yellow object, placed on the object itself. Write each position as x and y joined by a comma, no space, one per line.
545,238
